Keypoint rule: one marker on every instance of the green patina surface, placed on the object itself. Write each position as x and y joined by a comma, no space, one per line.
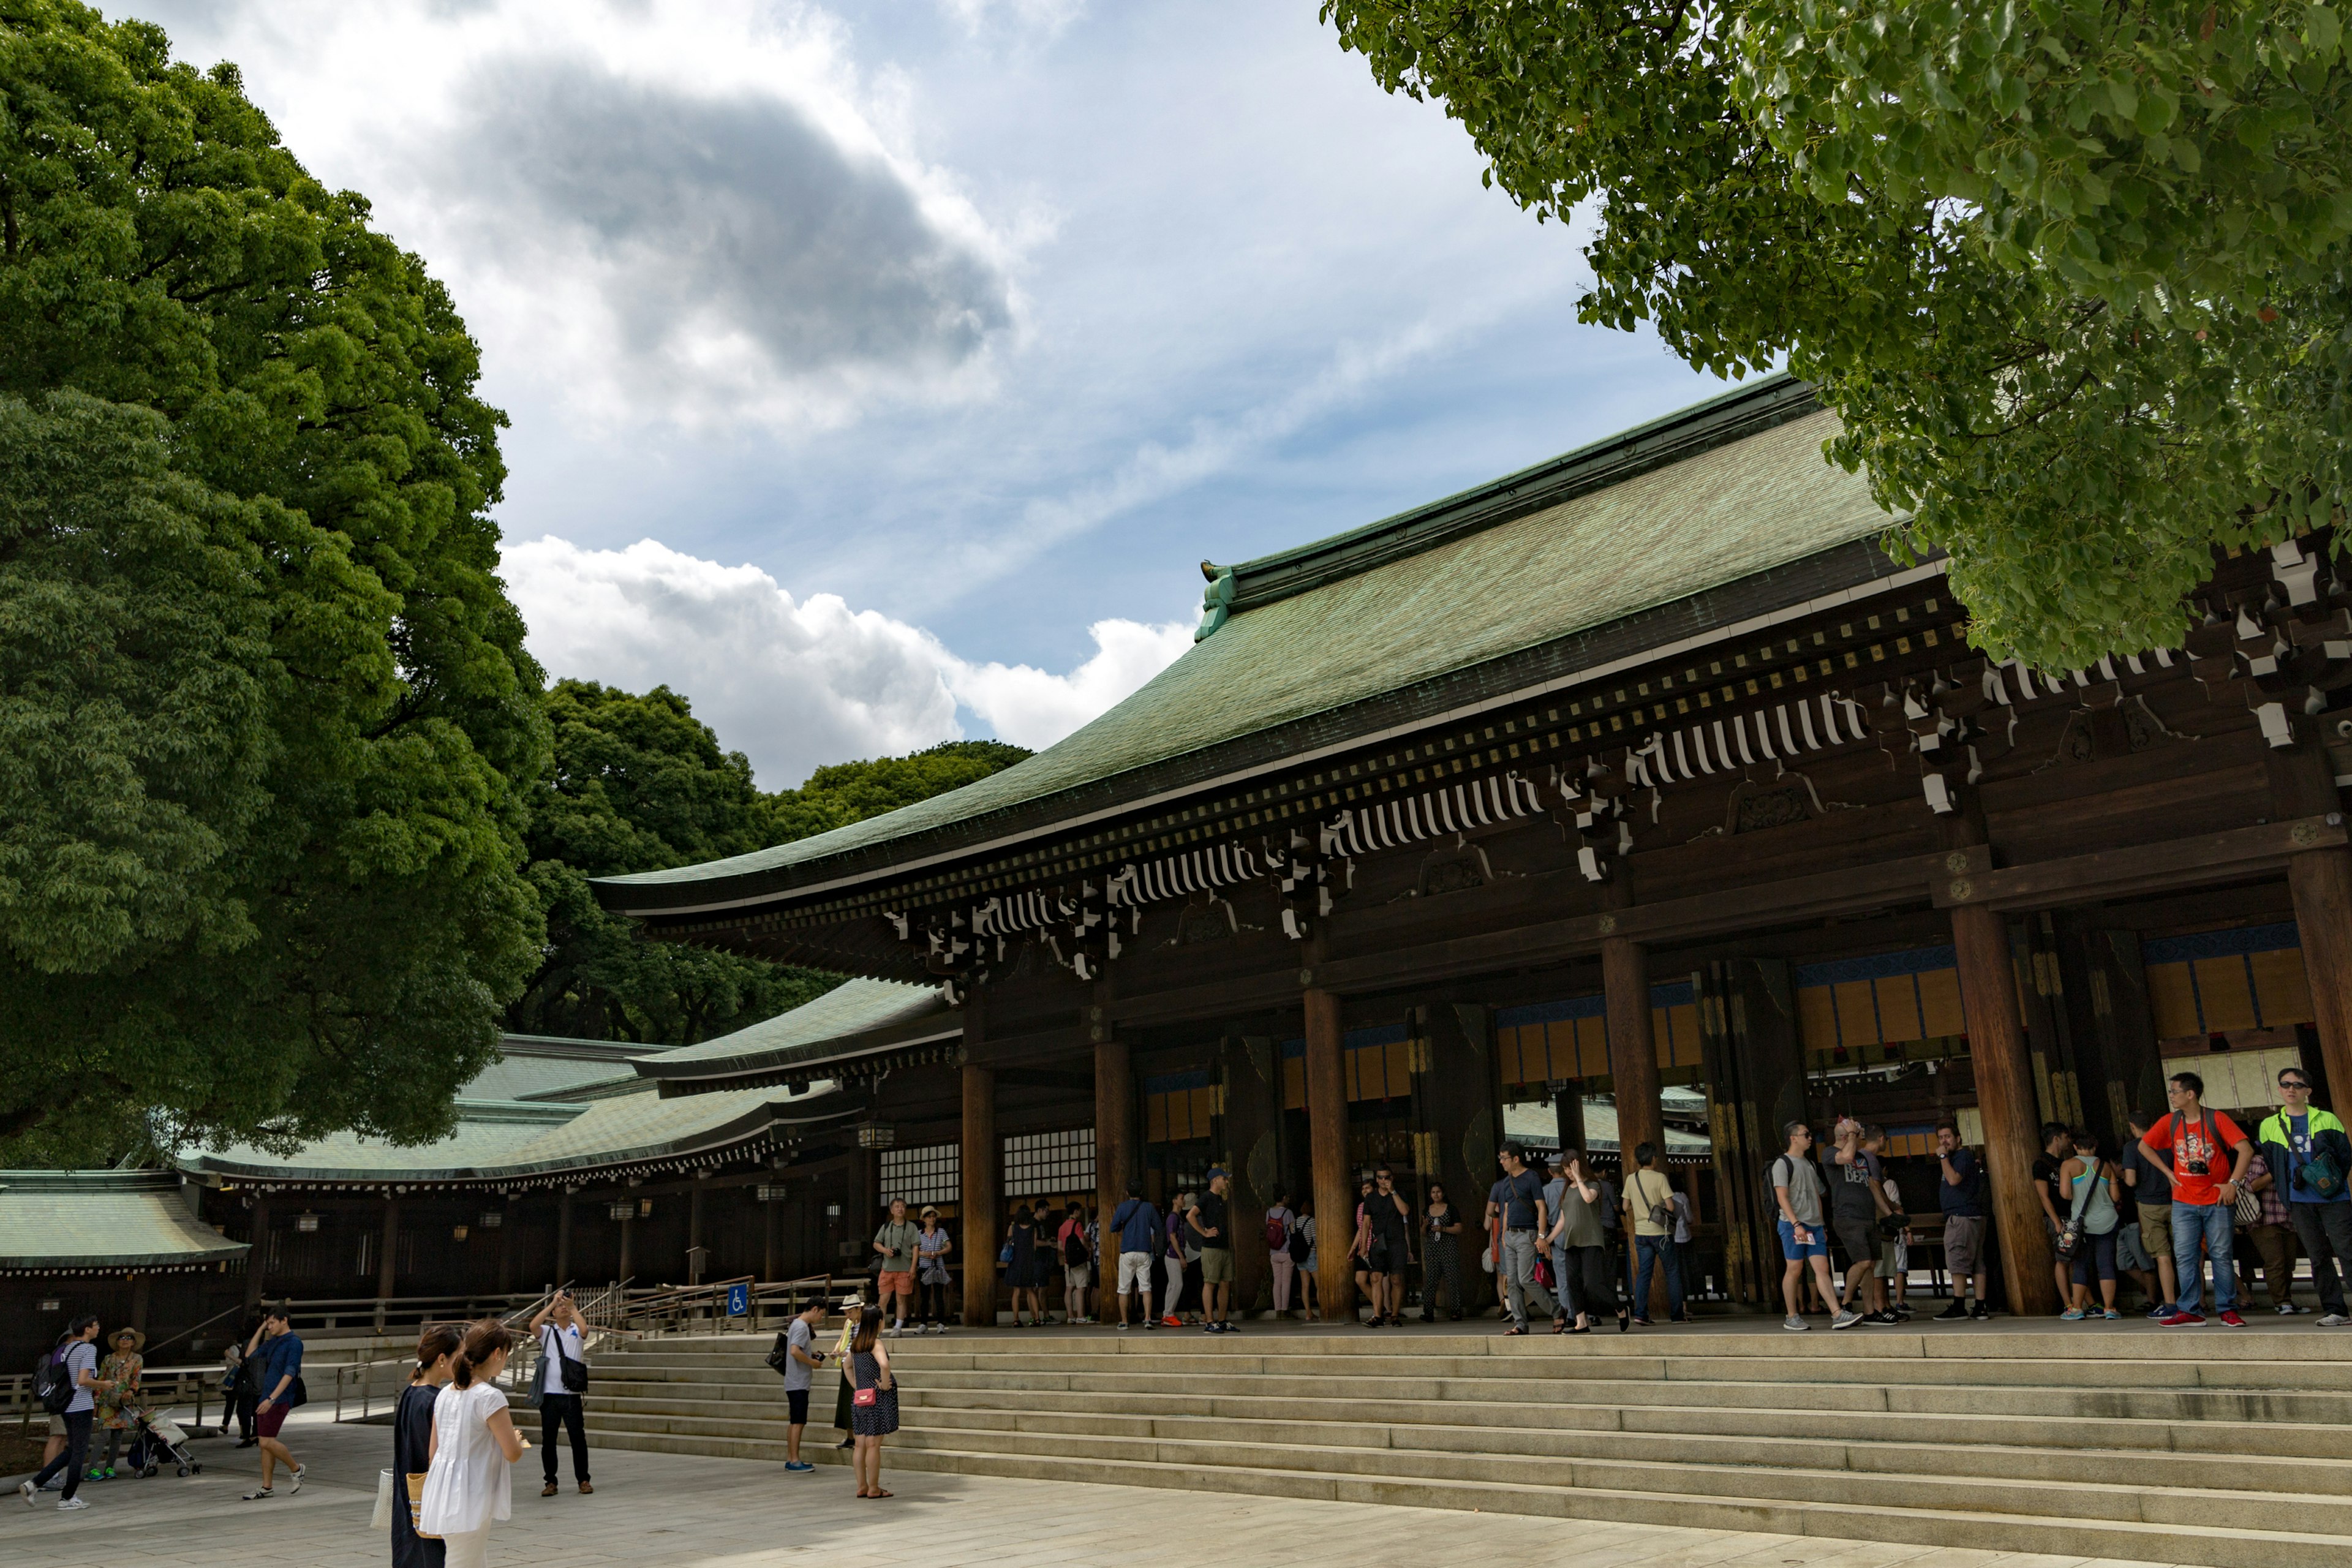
1713,518
811,1030
102,1220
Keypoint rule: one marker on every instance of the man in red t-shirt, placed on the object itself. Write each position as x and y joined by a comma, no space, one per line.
2204,1154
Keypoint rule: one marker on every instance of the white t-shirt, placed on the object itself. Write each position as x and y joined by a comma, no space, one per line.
469,1484
550,1364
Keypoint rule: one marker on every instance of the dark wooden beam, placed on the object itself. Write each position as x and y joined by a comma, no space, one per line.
2143,867
1044,1077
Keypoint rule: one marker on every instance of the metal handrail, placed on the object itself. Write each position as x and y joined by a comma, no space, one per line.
175,1381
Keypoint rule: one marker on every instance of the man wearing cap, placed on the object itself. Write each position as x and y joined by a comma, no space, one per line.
1212,1225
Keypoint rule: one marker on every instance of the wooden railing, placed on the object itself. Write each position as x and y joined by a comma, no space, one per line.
160,1388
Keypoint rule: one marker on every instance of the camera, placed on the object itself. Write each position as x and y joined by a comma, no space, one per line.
2197,1168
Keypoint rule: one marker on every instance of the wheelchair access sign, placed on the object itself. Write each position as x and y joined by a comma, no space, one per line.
739,1301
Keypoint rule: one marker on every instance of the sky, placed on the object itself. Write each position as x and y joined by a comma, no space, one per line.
881,374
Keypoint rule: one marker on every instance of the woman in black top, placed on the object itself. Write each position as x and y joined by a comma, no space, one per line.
1442,1257
412,1441
1022,1273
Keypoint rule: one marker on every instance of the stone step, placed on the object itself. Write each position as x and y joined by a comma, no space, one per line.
1156,1389
2219,1546
2298,1340
1875,1454
2334,1377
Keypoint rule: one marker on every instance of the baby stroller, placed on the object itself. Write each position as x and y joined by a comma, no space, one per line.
159,1441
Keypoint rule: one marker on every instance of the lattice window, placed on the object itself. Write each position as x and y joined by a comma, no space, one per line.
931,1175
1038,1163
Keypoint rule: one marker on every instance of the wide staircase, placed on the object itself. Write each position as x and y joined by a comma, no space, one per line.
2214,1446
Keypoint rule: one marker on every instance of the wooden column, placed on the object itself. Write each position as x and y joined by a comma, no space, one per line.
388,1274
770,1221
506,1245
628,1239
1632,1050
1327,1124
564,1237
694,1261
2005,1098
138,1300
1457,1095
2303,783
1567,1114
978,1243
1115,1148
1251,1066
257,1256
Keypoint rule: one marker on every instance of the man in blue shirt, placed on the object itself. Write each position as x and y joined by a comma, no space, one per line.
1137,1225
2309,1155
277,1354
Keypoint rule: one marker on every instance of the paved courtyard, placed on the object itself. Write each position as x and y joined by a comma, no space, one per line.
660,1511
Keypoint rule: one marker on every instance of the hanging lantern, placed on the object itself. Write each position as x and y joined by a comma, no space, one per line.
306,1221
770,1192
644,1208
876,1135
457,1233
493,1218
622,1210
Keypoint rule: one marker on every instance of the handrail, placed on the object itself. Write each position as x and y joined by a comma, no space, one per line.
183,1333
159,1386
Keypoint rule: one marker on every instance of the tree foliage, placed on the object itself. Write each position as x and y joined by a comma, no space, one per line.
265,716
2072,273
639,785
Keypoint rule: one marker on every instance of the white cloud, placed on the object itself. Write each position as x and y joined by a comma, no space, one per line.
796,684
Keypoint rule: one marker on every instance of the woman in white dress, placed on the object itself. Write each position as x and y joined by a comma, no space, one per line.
475,1445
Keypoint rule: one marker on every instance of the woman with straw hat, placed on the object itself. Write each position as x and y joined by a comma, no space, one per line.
118,1405
852,1310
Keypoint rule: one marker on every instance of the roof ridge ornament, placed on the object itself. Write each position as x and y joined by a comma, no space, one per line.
1216,601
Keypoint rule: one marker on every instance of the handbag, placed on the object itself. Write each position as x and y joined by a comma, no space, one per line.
382,1518
416,1507
2070,1236
1543,1273
2249,1208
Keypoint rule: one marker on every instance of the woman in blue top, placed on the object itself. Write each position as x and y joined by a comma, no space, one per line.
412,1442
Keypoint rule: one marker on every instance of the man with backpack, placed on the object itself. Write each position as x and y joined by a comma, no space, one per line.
1798,1188
1077,1263
67,1383
1137,1225
1961,1198
796,1347
895,1243
1213,1228
2309,1156
2201,1145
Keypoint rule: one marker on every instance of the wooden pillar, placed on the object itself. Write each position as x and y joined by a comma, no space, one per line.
139,1302
770,1221
506,1245
1327,1124
1457,1091
257,1256
1115,1148
2005,1098
2303,783
387,1276
1251,1066
564,1237
693,1254
1632,1050
628,1238
981,1199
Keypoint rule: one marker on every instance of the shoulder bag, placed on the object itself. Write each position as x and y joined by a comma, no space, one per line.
2070,1237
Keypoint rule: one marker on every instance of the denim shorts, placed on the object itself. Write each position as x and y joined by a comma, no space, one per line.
1817,1248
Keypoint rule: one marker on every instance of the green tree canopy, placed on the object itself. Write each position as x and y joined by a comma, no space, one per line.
266,722
639,784
2072,273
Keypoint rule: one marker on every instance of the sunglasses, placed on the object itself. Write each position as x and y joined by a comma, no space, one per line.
2292,1083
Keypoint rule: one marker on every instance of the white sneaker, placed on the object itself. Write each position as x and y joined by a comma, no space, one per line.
1847,1318
2289,1310
298,1482
32,1499
2334,1321
1795,1325
67,1505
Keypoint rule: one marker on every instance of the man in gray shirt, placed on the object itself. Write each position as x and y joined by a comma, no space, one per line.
1804,1239
800,1357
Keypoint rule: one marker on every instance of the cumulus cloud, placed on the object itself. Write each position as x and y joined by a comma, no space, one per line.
796,684
722,249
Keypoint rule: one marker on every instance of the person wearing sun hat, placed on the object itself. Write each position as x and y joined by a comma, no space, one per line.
118,1396
852,1309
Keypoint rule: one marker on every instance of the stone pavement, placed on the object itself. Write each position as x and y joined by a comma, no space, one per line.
659,1510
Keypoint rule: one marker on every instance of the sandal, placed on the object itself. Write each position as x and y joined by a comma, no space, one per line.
1508,1333
881,1494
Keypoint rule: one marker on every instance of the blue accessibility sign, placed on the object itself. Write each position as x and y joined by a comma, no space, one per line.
739,1301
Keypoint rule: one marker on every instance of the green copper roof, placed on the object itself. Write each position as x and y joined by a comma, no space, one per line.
98,1222
1735,487
881,1011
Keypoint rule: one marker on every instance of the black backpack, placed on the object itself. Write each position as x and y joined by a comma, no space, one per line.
1299,1246
780,1358
51,1386
1074,1250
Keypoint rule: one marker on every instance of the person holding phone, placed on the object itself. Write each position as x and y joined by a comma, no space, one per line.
562,1363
